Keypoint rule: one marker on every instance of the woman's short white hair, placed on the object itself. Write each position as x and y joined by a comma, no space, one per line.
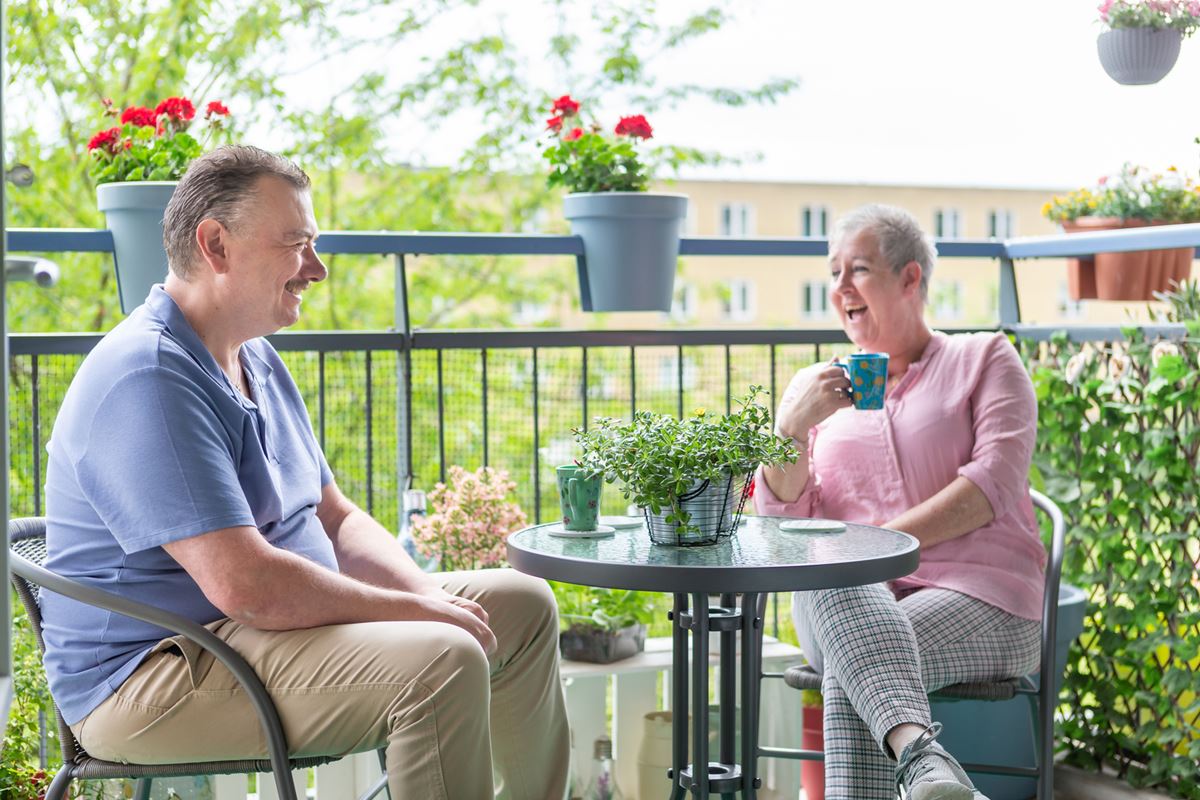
901,239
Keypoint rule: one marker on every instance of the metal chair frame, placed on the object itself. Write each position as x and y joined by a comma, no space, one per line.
1041,694
27,553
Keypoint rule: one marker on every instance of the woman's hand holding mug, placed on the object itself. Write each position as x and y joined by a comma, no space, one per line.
813,394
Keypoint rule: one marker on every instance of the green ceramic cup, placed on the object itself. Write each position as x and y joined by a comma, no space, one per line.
579,498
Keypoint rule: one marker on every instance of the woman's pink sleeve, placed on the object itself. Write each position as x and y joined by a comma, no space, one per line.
1004,419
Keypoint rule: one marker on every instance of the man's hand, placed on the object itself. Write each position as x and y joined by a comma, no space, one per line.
466,614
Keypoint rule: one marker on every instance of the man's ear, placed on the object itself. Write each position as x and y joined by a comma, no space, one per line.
212,241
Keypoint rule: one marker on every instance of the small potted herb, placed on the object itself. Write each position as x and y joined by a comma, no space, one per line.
601,625
690,475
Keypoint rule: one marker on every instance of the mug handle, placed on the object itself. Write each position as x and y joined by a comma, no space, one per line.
573,496
850,391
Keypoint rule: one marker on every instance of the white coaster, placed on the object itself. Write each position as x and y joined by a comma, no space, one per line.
813,526
601,532
622,522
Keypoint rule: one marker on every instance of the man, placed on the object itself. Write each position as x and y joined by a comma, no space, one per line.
183,472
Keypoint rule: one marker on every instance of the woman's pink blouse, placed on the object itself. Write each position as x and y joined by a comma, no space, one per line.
966,408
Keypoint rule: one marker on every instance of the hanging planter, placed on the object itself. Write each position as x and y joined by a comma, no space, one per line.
1139,56
1130,276
630,236
630,245
134,214
136,164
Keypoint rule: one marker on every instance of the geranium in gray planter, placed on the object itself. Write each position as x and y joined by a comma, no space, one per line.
630,237
136,164
1139,56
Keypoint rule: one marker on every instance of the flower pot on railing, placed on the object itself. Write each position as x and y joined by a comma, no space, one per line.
1129,276
631,245
133,212
1138,56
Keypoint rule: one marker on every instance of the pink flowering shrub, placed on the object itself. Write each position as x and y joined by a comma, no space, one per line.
471,517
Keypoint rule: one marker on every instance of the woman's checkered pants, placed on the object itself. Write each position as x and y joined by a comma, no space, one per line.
879,656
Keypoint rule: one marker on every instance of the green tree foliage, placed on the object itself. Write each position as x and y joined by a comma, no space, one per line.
65,58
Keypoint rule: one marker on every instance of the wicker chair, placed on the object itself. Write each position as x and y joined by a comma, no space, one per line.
27,549
1039,689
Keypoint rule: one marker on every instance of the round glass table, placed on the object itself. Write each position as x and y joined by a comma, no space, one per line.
758,559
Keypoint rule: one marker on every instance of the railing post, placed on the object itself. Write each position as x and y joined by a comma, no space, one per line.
1010,303
400,320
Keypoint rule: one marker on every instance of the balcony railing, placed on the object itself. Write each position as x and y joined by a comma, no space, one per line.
394,408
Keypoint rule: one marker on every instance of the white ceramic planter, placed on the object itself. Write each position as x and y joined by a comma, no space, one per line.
1138,56
134,214
631,244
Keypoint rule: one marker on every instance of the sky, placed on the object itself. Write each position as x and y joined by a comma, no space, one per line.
922,92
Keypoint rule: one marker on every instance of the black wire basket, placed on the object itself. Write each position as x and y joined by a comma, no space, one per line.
710,511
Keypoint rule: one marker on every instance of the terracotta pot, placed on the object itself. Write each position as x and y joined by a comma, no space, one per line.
1134,275
812,737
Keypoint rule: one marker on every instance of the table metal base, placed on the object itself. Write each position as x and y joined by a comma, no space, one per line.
733,771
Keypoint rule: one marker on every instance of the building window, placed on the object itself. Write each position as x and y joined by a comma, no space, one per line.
814,299
1068,308
814,221
1002,224
737,219
947,300
683,303
739,305
947,223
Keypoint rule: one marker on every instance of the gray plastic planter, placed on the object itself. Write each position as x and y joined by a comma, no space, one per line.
631,244
134,214
1138,56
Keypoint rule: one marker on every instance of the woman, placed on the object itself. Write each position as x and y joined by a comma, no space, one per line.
946,460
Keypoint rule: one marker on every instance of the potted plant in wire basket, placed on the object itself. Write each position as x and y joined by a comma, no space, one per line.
630,236
1142,42
691,475
136,163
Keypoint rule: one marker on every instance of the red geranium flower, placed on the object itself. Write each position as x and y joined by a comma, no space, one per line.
566,106
176,108
216,107
139,116
554,124
573,134
105,139
635,126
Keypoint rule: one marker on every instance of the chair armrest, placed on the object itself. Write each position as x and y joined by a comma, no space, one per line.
245,675
1050,599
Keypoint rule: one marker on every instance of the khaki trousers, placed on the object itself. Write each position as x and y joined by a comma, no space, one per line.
425,690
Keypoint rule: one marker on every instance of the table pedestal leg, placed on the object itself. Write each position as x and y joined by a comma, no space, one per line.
752,621
725,776
679,696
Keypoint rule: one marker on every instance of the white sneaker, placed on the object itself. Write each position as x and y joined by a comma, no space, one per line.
926,771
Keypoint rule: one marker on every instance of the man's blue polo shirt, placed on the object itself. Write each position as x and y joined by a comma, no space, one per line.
153,444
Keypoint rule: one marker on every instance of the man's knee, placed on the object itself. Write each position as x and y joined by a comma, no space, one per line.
526,597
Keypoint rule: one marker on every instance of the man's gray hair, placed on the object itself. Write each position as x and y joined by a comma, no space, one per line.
218,185
901,239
